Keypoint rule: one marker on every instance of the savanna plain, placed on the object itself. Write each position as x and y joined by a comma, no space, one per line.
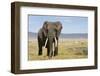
67,49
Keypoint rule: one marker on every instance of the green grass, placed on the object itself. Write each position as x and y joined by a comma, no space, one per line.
68,49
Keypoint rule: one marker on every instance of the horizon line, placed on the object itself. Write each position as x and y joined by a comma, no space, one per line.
64,33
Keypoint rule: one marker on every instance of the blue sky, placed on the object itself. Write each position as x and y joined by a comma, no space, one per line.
71,24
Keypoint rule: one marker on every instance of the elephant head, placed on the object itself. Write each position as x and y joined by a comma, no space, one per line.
52,28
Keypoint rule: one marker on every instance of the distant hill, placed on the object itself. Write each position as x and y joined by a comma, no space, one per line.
62,35
32,35
76,35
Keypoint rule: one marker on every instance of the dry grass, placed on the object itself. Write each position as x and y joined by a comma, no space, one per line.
68,49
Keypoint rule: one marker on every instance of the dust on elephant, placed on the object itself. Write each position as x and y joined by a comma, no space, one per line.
48,36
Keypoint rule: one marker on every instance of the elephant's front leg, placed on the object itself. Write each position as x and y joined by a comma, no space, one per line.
56,49
40,47
40,51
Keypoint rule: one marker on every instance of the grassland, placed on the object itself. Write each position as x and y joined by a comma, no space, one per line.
68,49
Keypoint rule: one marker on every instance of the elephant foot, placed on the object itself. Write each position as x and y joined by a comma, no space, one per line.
55,54
40,53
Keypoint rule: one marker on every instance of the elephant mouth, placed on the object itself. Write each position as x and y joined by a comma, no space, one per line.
55,40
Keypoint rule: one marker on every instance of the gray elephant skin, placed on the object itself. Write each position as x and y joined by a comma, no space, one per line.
48,37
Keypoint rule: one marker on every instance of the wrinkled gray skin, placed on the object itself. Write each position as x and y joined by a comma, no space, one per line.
50,31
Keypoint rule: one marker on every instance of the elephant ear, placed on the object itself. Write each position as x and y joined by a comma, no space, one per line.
58,27
45,25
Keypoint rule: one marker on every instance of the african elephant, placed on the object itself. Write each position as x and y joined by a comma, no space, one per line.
48,37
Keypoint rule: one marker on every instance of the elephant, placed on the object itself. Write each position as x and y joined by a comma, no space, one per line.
48,37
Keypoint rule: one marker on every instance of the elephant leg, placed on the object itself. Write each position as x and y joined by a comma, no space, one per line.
56,51
48,51
40,50
40,47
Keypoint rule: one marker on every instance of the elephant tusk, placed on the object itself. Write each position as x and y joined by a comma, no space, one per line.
55,42
53,48
46,42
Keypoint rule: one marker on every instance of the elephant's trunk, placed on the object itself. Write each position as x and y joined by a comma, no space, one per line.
46,42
